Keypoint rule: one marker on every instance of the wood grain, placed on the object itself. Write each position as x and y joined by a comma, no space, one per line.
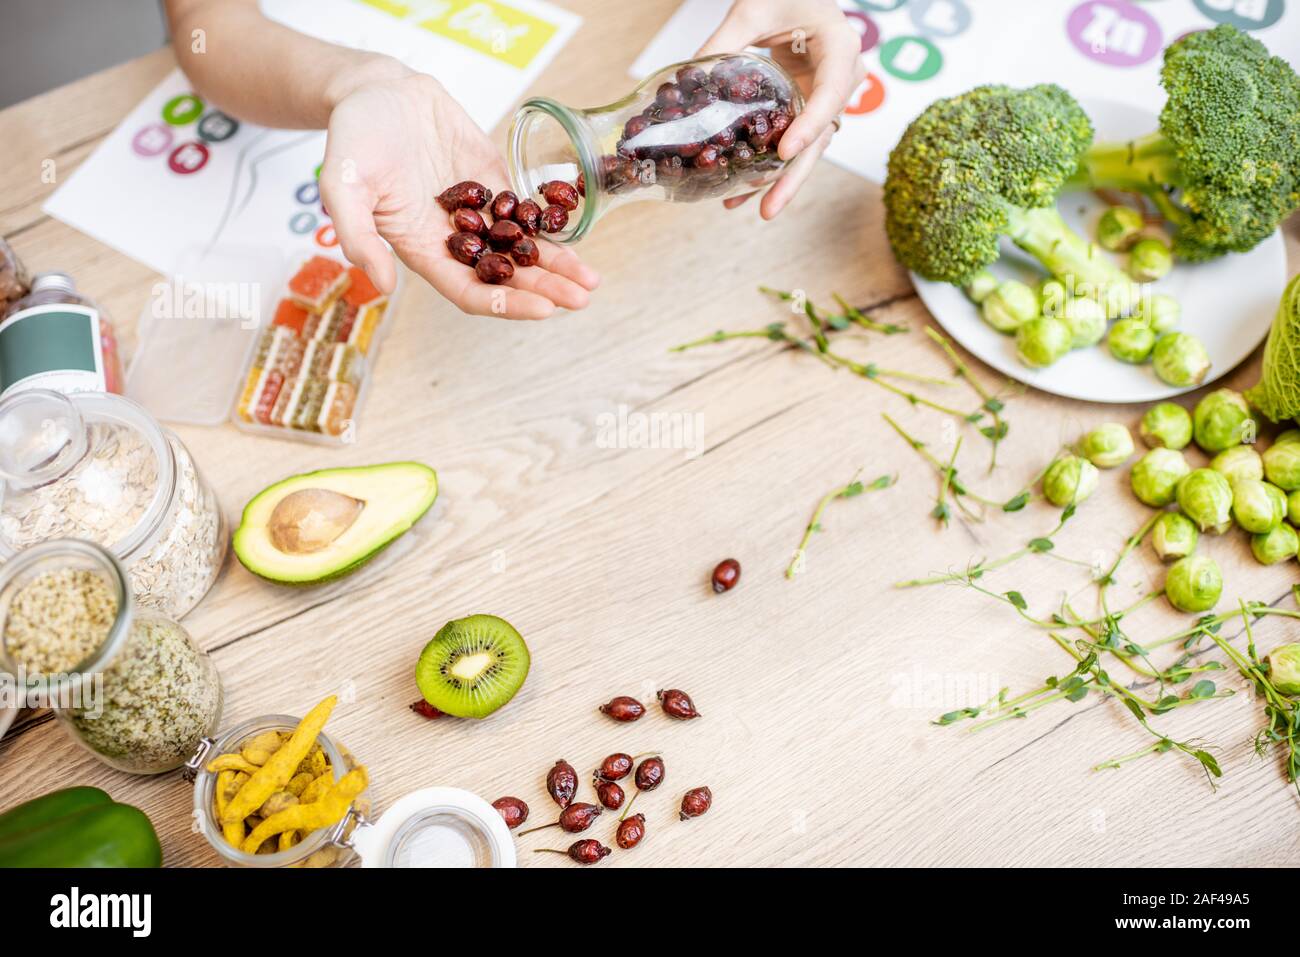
817,693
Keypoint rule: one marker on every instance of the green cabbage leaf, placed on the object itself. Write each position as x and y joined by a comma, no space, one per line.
1277,394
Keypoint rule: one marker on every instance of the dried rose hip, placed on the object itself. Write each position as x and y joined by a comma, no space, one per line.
695,802
559,193
525,252
469,221
512,810
493,268
584,852
742,153
504,234
466,247
726,575
635,126
708,158
466,195
691,78
425,710
529,217
630,832
743,87
503,207
677,704
562,783
724,138
554,218
609,794
780,120
670,113
668,94
623,708
581,184
649,774
615,767
578,817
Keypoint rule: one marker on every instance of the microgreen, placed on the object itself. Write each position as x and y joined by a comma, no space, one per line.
852,489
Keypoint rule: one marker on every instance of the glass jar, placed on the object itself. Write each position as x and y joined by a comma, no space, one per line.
704,129
325,847
98,467
129,686
56,338
430,827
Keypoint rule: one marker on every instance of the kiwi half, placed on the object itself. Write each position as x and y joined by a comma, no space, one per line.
472,666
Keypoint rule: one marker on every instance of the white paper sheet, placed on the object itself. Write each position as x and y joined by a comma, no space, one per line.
176,174
916,51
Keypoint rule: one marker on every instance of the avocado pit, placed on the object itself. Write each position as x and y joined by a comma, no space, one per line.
310,519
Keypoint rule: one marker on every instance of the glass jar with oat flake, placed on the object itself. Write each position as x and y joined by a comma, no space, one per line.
129,685
97,467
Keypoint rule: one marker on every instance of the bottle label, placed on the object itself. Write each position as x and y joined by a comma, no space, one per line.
56,346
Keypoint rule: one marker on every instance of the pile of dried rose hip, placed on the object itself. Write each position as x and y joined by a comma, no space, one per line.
515,221
576,817
748,111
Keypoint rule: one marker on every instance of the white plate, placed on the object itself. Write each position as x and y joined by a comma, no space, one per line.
1228,303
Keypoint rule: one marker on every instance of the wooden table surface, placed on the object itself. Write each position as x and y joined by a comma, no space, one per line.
817,693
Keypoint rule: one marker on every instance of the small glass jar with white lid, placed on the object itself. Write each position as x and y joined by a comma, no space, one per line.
430,827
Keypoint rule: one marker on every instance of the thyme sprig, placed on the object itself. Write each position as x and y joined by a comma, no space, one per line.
853,489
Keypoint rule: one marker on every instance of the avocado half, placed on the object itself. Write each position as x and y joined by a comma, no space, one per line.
322,525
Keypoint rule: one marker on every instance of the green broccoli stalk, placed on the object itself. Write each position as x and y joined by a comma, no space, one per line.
989,163
1224,167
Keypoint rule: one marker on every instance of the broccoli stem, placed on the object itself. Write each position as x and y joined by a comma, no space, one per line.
1069,257
1147,164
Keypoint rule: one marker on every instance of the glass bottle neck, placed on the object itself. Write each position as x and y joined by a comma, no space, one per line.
551,141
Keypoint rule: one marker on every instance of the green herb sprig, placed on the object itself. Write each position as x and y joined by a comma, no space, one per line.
853,489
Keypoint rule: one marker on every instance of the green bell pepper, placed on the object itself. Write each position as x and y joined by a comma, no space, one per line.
77,827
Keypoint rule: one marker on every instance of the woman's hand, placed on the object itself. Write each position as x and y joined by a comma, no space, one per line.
396,142
817,46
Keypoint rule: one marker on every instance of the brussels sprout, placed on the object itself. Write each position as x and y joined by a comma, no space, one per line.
979,286
1149,260
1156,476
1040,342
1238,462
1069,479
1159,312
1180,359
1194,583
1282,465
1279,499
1290,435
1167,425
1174,536
1255,508
1275,545
1206,498
1010,305
1284,668
1119,227
1222,419
1086,320
1052,297
1107,445
1293,507
1131,340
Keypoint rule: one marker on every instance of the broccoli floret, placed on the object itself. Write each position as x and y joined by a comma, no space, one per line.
990,162
1224,167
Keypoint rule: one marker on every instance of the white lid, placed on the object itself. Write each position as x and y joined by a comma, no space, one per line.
196,329
436,827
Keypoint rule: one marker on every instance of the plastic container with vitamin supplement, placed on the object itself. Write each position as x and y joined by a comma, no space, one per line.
431,827
56,338
295,364
704,129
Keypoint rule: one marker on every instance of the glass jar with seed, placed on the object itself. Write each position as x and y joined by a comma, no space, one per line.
97,467
128,684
